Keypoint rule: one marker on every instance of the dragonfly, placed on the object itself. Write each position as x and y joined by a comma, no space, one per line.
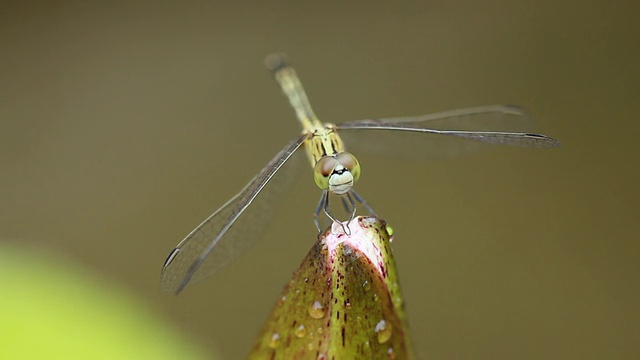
212,244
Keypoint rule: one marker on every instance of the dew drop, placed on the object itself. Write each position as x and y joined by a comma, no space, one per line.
274,341
316,310
324,250
366,285
390,353
389,231
384,331
300,331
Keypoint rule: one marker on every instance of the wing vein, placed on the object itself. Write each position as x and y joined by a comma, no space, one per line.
241,200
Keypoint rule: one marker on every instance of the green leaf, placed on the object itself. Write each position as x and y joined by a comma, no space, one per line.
51,308
343,302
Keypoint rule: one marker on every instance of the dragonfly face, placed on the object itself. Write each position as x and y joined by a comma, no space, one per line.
337,173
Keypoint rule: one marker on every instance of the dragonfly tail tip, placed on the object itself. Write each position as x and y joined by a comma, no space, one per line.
276,61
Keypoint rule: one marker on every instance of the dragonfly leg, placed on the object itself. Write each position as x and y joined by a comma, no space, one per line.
363,202
345,204
333,218
353,207
352,203
323,199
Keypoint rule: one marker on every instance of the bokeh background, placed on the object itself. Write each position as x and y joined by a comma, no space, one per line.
123,125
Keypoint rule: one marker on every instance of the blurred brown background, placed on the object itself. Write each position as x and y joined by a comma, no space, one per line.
123,126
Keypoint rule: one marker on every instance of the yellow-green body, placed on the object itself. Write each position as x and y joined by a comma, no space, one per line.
323,139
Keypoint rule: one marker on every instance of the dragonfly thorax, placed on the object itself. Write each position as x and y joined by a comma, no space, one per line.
337,173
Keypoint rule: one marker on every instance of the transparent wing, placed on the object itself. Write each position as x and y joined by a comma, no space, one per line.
498,124
221,237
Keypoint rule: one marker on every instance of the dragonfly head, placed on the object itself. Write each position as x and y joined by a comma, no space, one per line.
337,173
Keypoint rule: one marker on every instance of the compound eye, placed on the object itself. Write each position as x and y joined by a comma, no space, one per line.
350,163
323,170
